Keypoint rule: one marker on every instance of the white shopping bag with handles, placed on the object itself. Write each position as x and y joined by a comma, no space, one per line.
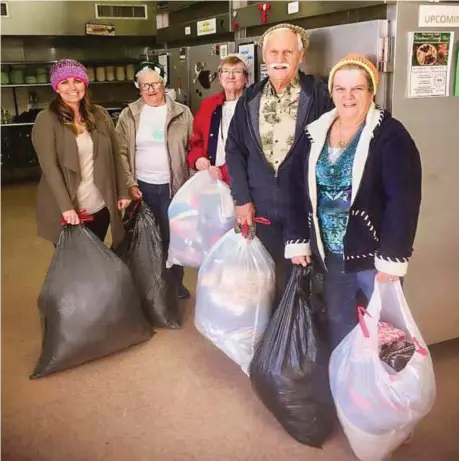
379,407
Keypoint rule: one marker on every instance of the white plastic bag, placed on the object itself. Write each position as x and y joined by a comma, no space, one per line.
377,408
200,213
234,296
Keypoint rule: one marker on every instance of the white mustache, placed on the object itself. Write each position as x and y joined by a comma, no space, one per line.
286,65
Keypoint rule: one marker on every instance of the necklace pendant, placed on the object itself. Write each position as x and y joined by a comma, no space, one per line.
341,143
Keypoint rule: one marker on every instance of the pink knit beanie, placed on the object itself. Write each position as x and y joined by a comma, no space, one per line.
67,68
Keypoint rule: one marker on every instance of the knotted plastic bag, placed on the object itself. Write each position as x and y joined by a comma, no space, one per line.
200,213
289,371
142,249
378,407
234,296
88,304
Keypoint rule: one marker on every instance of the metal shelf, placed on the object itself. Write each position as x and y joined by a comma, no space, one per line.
22,85
17,124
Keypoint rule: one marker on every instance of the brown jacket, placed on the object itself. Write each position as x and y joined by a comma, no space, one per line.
179,123
57,152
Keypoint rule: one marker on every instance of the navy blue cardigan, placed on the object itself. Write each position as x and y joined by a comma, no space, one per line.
386,196
253,179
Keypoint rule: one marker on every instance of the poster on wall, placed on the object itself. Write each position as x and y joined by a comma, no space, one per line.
456,87
430,64
248,52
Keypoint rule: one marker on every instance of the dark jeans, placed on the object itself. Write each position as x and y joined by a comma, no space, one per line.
272,237
99,225
157,197
341,290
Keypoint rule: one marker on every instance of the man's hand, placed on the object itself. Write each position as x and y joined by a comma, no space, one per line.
384,278
123,203
202,164
245,214
215,172
135,193
71,217
302,260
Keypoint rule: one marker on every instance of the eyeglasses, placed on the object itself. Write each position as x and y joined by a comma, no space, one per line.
354,91
227,73
147,86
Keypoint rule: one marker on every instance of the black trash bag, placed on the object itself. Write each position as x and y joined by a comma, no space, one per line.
289,371
88,304
142,250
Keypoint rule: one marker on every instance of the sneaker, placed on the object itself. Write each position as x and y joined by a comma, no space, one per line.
183,292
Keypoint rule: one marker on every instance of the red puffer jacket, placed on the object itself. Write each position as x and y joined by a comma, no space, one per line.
206,127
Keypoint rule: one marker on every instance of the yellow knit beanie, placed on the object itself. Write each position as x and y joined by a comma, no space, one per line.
357,60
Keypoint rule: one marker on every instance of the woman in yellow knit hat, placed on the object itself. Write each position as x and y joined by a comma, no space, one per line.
355,194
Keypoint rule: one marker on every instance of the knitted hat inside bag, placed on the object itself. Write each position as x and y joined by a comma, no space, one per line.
357,60
65,69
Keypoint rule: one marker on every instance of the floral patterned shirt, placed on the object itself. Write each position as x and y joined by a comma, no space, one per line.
278,121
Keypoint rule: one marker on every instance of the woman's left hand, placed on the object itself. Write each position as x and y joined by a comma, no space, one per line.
215,172
123,203
384,278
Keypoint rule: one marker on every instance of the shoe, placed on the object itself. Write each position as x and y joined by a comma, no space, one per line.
183,292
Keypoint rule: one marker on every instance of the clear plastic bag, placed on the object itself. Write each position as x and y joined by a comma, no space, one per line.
201,212
379,408
234,296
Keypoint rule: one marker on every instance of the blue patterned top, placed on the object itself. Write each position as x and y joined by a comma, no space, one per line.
334,182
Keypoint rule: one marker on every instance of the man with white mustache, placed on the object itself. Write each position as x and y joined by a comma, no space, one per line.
269,119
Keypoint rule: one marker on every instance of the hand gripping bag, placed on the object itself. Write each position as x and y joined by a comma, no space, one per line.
378,407
142,249
234,296
200,213
289,371
88,304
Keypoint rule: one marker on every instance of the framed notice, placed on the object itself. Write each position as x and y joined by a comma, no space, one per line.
430,64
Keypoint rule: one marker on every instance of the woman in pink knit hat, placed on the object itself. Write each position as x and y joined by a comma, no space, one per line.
81,170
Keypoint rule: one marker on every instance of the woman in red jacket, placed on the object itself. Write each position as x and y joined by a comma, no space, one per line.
212,121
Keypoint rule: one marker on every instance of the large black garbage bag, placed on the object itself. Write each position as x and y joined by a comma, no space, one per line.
88,304
143,251
289,371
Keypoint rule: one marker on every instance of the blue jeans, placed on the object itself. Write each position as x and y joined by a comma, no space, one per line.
157,197
341,290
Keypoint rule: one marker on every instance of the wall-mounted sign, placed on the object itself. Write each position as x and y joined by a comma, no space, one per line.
182,54
206,27
248,52
439,16
223,50
188,30
100,29
293,7
430,64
